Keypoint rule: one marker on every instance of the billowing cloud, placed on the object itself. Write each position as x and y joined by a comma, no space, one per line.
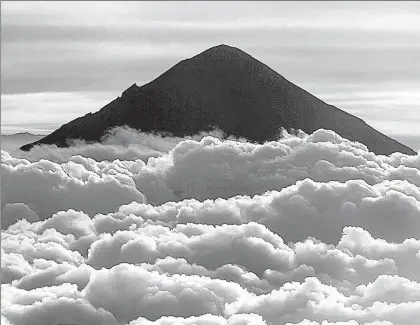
307,230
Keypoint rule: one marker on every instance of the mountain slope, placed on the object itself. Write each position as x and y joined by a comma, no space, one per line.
227,88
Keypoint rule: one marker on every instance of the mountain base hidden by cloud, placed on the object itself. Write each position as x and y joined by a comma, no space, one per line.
146,229
222,87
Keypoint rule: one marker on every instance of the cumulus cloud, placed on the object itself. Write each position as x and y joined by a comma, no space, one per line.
307,230
47,187
121,143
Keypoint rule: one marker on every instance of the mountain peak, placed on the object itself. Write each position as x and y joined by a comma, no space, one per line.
226,88
223,50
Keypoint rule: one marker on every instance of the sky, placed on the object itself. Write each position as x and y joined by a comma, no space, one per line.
61,60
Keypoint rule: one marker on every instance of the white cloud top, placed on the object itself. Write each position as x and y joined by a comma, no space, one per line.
143,229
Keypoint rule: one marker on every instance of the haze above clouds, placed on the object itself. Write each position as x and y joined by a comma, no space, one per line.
62,60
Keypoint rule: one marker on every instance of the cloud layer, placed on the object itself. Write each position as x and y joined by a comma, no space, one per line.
309,230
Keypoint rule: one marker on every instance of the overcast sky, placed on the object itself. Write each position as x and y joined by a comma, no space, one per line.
60,60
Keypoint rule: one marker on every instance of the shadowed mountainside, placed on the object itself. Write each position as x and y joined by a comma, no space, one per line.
222,87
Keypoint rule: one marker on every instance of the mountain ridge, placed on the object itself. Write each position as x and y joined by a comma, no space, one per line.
221,87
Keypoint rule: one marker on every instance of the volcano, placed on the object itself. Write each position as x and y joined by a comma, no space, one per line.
226,88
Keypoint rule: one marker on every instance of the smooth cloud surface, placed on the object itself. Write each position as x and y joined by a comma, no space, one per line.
146,229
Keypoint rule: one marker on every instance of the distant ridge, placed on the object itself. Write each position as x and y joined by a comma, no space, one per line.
21,134
227,88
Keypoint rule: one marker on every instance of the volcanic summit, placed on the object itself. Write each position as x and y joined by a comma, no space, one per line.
226,88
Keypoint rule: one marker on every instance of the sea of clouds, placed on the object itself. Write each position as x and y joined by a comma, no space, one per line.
150,229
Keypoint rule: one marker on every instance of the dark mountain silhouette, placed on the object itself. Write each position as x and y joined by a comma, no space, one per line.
222,87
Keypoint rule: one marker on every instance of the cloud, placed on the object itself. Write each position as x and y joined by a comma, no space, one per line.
288,184
120,143
208,319
307,230
53,305
12,212
47,187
